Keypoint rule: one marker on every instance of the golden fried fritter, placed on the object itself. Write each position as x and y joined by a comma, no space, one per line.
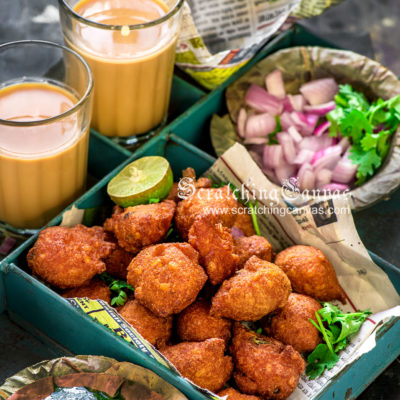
167,277
220,202
244,222
195,324
204,363
246,247
119,259
310,273
142,225
255,291
69,257
234,394
155,330
96,289
292,323
264,366
215,246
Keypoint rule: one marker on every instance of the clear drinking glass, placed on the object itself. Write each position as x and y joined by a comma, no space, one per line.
45,111
131,57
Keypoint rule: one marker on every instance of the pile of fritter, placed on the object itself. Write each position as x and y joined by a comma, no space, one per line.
219,304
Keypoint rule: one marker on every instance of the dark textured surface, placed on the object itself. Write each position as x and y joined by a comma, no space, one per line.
370,27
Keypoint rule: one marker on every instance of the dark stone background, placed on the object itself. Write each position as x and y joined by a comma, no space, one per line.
370,27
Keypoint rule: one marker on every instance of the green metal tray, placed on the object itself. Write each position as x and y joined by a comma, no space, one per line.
33,306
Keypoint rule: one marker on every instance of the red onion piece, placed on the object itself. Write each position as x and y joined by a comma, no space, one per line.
288,147
294,133
287,105
241,123
344,144
322,128
304,156
323,177
284,172
297,101
335,187
326,158
273,156
345,170
236,232
321,109
302,123
260,125
259,99
286,121
319,91
315,143
306,177
275,85
255,140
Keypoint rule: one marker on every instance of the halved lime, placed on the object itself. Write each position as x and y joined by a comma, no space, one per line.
143,179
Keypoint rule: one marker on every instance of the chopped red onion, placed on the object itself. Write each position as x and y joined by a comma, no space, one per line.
323,177
335,187
319,91
322,128
287,105
306,177
326,158
344,144
302,123
284,172
304,156
297,101
275,85
255,140
286,121
345,171
315,143
241,123
273,156
288,147
321,109
262,101
294,133
260,125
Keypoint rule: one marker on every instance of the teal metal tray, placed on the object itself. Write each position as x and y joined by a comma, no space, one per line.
33,306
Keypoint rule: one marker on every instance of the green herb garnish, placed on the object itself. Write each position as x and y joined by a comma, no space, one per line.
119,287
335,326
368,127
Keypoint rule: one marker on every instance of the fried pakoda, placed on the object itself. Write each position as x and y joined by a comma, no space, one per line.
96,289
258,246
140,226
292,323
155,330
195,324
69,257
215,246
255,291
310,273
119,259
234,394
220,202
167,277
204,363
264,366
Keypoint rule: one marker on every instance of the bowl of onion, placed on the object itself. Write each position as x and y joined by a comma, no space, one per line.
327,118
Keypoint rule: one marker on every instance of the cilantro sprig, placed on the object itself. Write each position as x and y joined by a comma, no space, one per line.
368,127
335,326
119,287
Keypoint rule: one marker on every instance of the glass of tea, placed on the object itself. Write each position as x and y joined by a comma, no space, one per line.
130,46
45,112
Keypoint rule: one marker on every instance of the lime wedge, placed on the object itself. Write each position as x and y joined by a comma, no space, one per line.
143,179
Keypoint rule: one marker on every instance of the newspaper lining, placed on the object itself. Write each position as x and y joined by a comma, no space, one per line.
220,36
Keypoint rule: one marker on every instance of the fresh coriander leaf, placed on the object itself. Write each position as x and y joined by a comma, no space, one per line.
253,210
335,117
320,359
340,345
259,331
272,140
369,141
350,98
354,125
328,312
367,162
